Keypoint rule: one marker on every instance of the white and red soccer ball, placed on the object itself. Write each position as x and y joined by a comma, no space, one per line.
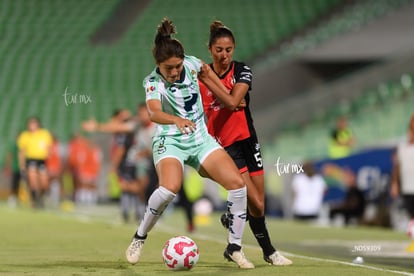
180,253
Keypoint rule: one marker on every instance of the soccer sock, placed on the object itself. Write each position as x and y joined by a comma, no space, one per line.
157,203
259,229
236,206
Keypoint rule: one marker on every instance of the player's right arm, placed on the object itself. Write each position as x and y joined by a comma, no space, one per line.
108,127
157,115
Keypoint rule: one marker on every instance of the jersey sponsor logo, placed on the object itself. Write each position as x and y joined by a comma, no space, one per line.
189,101
173,88
215,105
247,76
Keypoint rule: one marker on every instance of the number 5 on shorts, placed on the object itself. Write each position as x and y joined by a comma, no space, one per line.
258,158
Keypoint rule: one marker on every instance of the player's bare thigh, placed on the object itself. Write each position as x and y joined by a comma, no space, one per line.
170,173
220,167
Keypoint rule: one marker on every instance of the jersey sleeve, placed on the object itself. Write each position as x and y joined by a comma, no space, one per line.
151,89
21,141
243,73
194,63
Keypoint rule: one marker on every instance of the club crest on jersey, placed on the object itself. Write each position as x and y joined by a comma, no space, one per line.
161,147
150,88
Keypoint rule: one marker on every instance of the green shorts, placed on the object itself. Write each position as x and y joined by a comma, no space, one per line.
187,153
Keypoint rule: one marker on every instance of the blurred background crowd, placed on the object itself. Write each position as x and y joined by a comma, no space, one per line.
332,98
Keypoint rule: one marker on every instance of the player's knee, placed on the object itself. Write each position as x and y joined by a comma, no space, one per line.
235,182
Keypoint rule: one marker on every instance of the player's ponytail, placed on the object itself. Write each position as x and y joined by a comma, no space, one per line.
217,30
165,45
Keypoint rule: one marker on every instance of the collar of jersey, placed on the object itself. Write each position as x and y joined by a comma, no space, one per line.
225,73
181,80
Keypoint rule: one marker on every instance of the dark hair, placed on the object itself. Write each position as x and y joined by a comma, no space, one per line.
116,112
165,46
218,30
34,118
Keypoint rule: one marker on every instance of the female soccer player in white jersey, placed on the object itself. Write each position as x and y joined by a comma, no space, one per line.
181,137
233,127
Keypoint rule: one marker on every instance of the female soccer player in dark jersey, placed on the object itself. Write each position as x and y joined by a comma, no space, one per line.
231,123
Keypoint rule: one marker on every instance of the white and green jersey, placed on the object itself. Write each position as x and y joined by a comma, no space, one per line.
181,98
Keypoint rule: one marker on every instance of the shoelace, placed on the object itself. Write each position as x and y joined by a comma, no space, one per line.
135,245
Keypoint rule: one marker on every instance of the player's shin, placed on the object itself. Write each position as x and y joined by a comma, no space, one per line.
236,207
157,203
259,229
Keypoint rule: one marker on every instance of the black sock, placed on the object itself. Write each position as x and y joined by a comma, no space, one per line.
259,229
231,247
139,237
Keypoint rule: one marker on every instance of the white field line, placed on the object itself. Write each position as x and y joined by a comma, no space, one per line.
166,229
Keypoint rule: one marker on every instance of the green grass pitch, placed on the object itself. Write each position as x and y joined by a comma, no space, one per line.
77,243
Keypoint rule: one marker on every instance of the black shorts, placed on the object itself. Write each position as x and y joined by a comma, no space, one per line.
36,164
127,173
247,156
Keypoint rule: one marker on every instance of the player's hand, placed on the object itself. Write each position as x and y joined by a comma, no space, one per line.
241,105
185,126
90,125
205,70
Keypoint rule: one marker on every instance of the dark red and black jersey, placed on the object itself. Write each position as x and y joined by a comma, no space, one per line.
225,125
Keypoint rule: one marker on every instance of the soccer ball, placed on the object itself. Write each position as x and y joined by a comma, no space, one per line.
180,253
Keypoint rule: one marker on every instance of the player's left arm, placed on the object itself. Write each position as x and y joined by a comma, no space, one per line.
230,100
